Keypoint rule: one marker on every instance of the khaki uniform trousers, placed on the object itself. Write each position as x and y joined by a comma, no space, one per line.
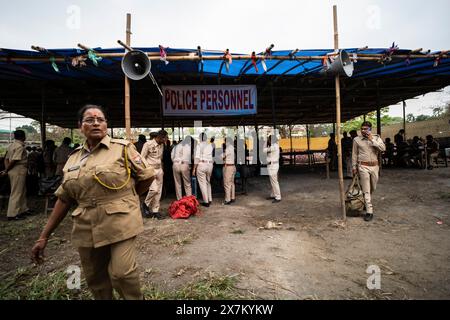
369,179
229,171
204,171
112,266
182,175
153,198
18,197
272,169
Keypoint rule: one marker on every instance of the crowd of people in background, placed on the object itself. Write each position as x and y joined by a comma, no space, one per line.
416,153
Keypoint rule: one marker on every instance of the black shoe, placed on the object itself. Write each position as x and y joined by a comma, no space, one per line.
276,201
16,218
29,213
270,198
233,200
227,203
368,217
157,215
205,204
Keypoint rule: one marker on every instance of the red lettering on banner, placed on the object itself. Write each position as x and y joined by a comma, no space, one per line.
239,100
233,99
166,98
226,98
214,100
188,100
194,99
220,99
202,99
245,99
173,99
208,99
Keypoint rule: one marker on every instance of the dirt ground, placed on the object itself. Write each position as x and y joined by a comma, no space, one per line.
310,254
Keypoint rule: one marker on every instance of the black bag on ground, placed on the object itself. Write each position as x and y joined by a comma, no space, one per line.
49,185
354,198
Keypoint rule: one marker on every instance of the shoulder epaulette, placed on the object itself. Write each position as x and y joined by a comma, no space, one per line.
120,141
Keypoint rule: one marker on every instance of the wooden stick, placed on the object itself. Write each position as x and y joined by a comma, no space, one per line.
338,119
189,57
125,45
127,83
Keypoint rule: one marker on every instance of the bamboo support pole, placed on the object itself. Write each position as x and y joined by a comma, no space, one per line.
127,85
193,57
338,119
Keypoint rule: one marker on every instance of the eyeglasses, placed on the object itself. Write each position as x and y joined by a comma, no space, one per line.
92,120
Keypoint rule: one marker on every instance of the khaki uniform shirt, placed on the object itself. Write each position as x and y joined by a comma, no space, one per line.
273,153
366,150
181,153
16,152
61,154
204,152
229,155
104,216
152,152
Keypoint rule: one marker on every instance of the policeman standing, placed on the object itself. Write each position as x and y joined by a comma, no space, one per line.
366,149
16,168
181,158
273,155
61,155
229,171
103,179
203,166
152,152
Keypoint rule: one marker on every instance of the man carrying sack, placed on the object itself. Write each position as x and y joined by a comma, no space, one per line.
365,163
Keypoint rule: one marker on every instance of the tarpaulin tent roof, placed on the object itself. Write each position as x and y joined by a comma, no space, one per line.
301,94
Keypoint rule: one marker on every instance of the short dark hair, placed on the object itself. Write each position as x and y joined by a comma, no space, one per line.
90,106
162,133
429,137
366,124
19,135
67,140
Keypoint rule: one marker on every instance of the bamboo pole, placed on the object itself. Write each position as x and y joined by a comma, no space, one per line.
338,119
190,57
127,85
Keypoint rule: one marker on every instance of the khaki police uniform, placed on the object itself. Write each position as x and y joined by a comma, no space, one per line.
273,165
365,160
17,177
152,152
229,171
204,158
106,221
60,157
181,158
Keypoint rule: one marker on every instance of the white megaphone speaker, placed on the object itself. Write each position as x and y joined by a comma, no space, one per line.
342,65
136,65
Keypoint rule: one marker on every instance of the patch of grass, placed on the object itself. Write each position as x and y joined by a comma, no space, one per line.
444,196
238,231
52,286
210,287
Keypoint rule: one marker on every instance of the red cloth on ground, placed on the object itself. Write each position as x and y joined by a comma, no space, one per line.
184,208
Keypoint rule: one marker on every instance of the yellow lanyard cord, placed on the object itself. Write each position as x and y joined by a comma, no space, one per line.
128,172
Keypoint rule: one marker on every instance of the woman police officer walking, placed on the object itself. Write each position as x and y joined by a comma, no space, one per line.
103,178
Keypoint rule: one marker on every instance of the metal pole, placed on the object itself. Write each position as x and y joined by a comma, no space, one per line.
10,128
338,119
378,112
308,137
127,85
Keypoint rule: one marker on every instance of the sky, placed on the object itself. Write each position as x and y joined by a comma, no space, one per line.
242,26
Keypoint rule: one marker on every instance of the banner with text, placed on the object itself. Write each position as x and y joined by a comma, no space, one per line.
203,101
